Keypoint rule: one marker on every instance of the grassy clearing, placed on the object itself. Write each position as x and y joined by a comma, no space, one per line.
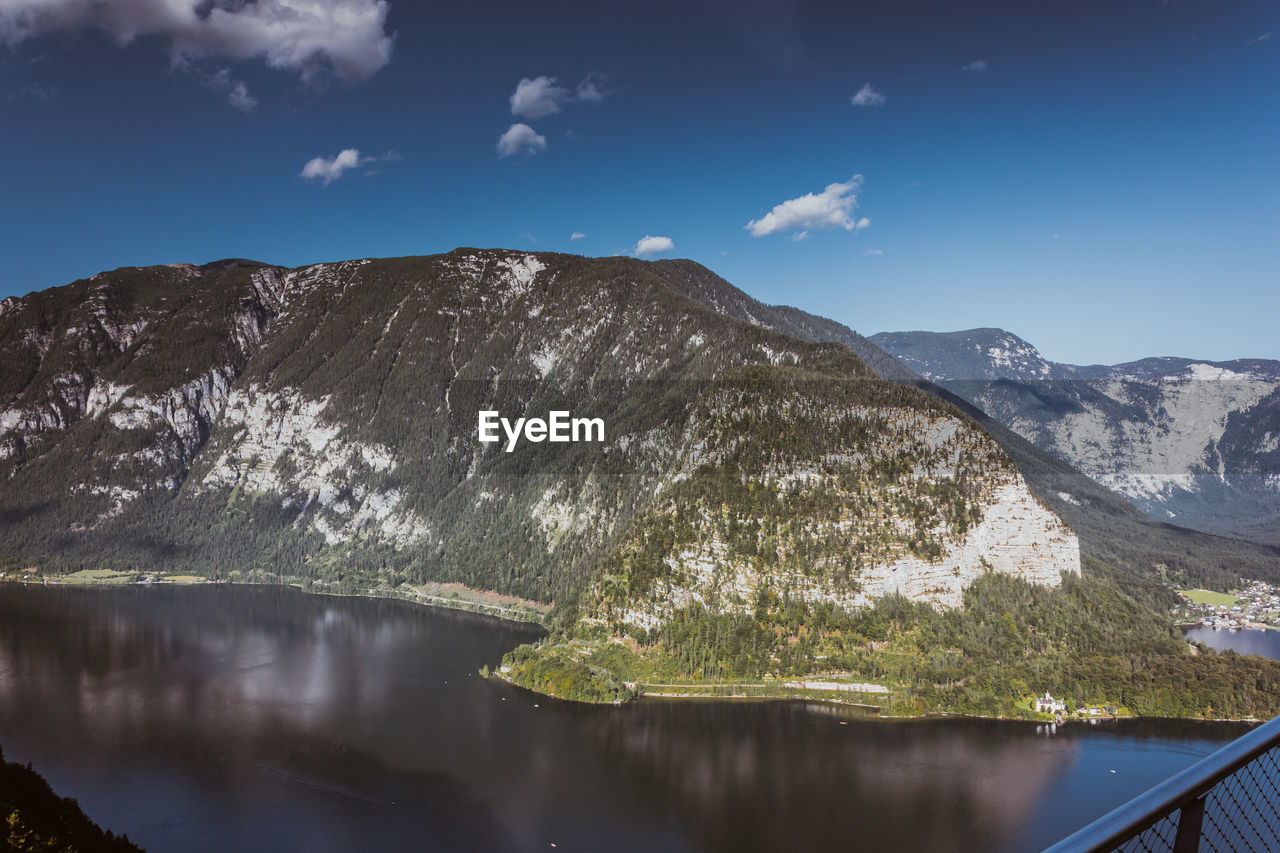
459,597
96,576
1205,596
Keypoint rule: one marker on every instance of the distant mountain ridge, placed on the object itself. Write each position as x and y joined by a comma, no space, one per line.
1109,526
1189,441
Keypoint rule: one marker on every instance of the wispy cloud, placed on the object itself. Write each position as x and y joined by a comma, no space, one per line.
647,245
236,91
873,253
577,235
520,138
978,66
240,98
347,38
537,97
34,92
1264,37
329,169
832,208
868,97
593,88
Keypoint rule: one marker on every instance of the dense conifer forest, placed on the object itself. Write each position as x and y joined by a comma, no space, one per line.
38,820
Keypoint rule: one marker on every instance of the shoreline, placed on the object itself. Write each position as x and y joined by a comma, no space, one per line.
482,608
839,703
1256,626
479,608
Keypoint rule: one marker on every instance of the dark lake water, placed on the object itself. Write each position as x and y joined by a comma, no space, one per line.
215,718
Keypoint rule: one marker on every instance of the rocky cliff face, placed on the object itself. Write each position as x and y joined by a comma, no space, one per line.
112,385
1189,442
1018,536
879,492
320,424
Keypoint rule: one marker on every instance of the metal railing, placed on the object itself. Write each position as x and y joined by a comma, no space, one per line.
1228,801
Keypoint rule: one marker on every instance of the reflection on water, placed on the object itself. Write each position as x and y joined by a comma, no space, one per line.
262,719
1248,641
808,783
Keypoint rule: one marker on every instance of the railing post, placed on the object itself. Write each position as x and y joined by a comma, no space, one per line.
1190,817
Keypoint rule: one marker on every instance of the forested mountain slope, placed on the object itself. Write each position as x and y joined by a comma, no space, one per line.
763,501
320,423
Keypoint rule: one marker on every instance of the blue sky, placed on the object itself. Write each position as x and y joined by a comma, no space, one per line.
1100,178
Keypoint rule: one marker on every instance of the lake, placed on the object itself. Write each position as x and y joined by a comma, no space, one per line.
254,718
1246,641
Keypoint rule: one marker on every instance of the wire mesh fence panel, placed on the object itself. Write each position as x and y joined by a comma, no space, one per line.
1228,802
1156,838
1242,812
1241,815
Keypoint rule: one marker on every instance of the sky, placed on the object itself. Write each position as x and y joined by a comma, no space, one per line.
1100,178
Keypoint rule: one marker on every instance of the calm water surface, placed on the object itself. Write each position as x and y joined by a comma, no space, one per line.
215,718
1247,641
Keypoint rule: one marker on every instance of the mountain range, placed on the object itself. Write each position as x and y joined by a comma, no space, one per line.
773,495
245,417
1195,443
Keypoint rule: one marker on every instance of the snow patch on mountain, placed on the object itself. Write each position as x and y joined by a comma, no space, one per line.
544,359
521,272
1212,373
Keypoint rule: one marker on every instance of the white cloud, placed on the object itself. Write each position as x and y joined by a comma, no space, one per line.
647,245
832,208
978,66
537,97
329,169
1264,37
307,37
520,138
591,89
868,97
577,235
873,253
